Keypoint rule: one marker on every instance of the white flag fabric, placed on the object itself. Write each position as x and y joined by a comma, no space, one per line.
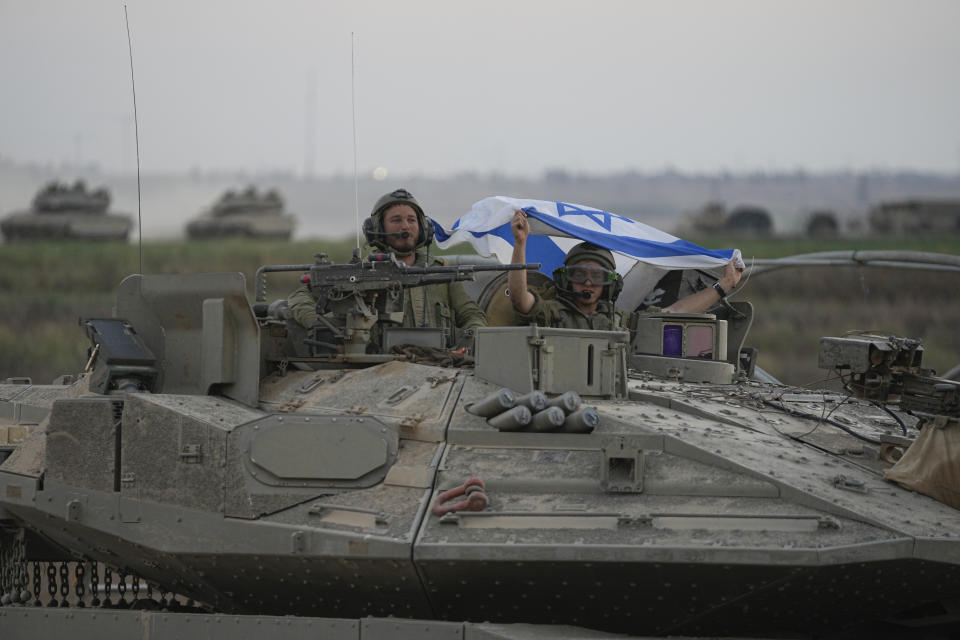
642,253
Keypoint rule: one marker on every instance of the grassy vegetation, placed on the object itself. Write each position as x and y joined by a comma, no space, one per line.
46,287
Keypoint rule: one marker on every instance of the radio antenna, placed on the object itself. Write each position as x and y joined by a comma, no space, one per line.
353,109
136,137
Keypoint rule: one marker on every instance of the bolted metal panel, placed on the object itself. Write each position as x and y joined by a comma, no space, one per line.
175,626
169,456
292,451
397,629
416,399
525,359
82,443
321,447
684,369
78,624
96,624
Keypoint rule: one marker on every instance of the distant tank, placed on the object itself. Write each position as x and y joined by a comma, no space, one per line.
750,219
247,214
822,223
61,211
711,218
924,216
744,219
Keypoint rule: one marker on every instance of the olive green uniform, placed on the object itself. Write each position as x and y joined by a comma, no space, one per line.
447,304
562,313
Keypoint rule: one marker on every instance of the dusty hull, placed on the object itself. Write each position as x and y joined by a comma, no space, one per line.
26,226
243,225
724,525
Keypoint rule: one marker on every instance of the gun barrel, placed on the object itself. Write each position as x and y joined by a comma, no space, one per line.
472,268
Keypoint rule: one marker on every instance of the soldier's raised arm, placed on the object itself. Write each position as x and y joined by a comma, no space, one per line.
520,296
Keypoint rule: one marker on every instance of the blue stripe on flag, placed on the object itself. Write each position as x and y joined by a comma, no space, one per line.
636,247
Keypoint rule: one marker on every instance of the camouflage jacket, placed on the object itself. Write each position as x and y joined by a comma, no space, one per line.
447,304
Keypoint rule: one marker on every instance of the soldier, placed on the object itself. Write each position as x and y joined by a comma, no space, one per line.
587,287
398,225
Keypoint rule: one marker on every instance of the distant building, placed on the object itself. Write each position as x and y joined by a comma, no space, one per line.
916,216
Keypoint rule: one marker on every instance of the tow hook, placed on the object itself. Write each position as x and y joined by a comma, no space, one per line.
475,500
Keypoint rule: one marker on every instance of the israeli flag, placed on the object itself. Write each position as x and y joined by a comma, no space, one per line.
642,253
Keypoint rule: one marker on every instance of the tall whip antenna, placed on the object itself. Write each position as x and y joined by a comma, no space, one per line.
353,108
136,136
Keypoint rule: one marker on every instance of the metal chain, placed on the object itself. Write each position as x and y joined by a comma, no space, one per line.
122,587
107,586
95,584
135,587
3,575
78,587
19,570
52,584
36,584
64,584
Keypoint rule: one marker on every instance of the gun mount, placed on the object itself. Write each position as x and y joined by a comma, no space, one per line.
888,369
359,304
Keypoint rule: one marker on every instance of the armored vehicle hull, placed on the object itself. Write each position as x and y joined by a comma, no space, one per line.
248,214
28,225
67,212
200,458
242,226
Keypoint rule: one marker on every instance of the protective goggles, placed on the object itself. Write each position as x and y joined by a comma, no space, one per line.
596,275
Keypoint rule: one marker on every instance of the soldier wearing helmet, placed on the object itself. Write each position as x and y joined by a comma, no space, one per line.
587,287
398,225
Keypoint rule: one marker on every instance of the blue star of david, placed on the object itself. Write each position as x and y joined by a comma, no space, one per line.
602,218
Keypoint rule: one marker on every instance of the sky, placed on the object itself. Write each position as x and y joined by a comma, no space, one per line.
518,87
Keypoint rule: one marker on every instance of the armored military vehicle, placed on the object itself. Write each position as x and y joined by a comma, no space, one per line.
916,216
713,217
62,211
216,471
249,214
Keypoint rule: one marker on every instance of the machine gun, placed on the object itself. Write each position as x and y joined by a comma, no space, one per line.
888,369
358,302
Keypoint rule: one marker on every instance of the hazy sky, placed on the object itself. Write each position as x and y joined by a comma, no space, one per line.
514,86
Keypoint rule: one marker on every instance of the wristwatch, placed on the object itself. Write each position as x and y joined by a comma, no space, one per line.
719,289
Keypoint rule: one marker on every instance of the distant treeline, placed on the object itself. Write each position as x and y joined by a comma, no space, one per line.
330,205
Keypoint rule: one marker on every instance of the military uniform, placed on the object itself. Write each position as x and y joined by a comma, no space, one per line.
447,304
561,312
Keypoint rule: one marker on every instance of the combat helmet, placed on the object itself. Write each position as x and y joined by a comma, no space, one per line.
373,226
581,253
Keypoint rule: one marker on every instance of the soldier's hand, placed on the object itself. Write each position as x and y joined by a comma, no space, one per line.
731,276
520,226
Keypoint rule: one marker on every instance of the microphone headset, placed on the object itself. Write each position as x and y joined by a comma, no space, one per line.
587,251
373,226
